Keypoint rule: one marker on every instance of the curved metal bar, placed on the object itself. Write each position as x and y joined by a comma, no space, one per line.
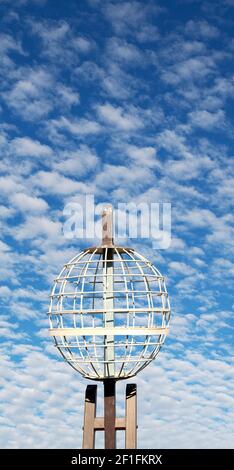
100,331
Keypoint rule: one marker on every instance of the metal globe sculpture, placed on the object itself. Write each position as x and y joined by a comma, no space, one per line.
109,310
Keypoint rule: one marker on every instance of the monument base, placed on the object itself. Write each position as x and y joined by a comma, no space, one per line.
110,423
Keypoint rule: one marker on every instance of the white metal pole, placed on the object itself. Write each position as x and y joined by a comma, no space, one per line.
108,291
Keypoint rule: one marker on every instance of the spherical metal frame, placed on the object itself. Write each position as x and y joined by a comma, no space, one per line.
109,312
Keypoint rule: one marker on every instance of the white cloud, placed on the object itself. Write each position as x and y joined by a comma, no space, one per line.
77,127
222,234
222,268
195,250
27,203
202,28
6,212
131,17
174,142
8,44
34,227
124,51
28,96
148,33
82,44
113,78
8,329
68,96
181,268
118,117
130,13
27,147
54,183
5,291
178,245
35,92
189,168
192,400
219,230
221,179
124,178
53,34
193,68
4,246
143,154
199,218
9,184
193,161
59,41
77,163
207,120
116,82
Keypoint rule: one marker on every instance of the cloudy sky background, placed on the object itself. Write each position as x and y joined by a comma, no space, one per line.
130,101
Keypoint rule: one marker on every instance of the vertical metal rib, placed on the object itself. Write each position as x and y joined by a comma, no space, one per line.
108,305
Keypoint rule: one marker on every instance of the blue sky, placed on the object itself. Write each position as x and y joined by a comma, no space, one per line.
129,101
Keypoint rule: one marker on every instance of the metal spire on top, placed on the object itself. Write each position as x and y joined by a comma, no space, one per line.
107,227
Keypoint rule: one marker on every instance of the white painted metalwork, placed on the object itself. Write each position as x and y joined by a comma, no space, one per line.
109,312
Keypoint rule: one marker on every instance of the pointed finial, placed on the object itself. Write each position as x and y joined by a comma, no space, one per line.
107,226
